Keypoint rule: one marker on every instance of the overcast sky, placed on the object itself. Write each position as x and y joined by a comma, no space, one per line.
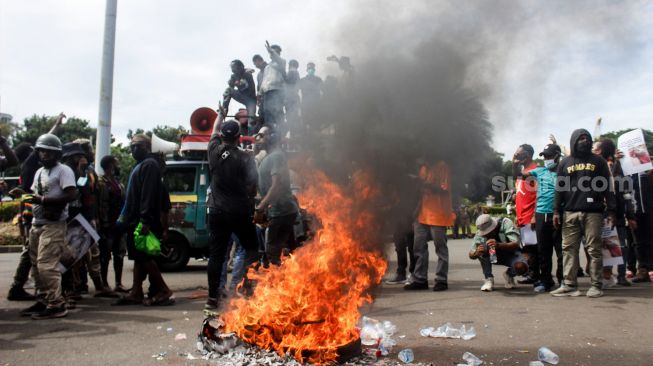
173,57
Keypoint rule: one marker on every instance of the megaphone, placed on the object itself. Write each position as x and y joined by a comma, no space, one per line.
202,120
160,145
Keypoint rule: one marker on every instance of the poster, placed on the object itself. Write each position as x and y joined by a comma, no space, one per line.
611,247
528,235
636,157
80,235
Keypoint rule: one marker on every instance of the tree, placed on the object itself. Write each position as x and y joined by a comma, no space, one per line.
125,161
648,136
168,133
35,126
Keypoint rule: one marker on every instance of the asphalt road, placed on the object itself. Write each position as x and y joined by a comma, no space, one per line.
511,324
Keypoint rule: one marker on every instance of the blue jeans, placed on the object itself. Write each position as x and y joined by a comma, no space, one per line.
239,264
504,258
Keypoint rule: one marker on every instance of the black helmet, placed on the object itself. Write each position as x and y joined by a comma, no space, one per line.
48,141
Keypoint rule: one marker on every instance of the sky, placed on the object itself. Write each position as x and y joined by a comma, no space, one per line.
539,68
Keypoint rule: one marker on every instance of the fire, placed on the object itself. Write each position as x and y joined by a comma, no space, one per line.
309,305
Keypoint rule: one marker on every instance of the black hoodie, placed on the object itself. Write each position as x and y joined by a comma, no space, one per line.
578,175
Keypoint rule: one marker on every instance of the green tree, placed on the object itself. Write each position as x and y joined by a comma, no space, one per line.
648,137
168,133
35,126
125,161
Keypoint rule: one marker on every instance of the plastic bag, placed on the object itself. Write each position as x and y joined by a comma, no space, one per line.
379,334
146,243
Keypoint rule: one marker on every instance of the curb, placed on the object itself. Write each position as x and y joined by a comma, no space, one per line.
11,248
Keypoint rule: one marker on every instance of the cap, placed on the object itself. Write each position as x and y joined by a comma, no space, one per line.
551,149
71,149
485,224
230,129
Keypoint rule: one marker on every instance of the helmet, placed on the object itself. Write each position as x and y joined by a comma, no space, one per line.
48,141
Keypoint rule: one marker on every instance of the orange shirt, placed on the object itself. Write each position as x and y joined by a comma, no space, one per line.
435,207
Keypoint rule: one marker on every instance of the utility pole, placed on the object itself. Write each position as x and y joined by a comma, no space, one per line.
103,146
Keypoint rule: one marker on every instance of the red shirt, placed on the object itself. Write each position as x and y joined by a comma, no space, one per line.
435,207
525,198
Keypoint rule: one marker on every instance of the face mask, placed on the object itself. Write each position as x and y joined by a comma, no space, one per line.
116,172
311,72
139,153
584,147
549,163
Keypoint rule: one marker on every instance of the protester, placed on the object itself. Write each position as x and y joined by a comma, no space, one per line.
277,206
502,235
643,228
584,193
230,209
54,188
624,211
242,89
462,225
271,87
291,95
112,198
403,238
310,87
435,214
525,199
549,238
143,204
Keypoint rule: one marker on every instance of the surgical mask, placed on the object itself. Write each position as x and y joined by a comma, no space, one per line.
549,163
311,71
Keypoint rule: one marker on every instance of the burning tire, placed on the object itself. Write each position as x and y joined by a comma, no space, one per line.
175,253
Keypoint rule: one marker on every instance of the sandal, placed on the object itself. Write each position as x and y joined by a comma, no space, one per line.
123,301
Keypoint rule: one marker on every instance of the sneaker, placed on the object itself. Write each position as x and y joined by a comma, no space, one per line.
609,282
19,294
539,288
488,285
397,279
594,292
34,309
51,313
440,286
416,286
564,291
211,304
525,281
641,276
622,281
630,274
510,281
409,279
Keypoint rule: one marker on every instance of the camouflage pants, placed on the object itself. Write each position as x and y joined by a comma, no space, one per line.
46,244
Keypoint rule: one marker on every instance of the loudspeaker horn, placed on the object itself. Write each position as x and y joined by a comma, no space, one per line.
202,120
160,145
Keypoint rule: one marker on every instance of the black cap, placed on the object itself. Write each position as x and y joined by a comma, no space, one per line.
551,149
71,149
230,130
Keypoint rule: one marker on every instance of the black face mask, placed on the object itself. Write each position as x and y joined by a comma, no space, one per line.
584,147
139,153
116,172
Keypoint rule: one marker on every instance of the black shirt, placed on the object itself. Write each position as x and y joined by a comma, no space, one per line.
28,170
233,174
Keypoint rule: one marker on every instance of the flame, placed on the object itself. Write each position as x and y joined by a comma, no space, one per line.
309,306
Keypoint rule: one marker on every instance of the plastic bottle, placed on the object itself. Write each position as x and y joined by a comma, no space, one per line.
471,359
406,355
546,355
492,250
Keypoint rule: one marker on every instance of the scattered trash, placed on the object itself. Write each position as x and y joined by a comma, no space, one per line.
448,331
186,319
184,312
379,334
160,356
169,330
212,340
406,355
523,351
190,357
402,336
471,359
536,363
180,336
546,355
159,327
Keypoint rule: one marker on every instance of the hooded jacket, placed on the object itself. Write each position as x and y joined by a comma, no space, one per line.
584,181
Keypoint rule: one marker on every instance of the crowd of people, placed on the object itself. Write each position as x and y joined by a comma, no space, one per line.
570,200
250,204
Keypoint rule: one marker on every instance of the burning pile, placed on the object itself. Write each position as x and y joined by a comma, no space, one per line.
309,306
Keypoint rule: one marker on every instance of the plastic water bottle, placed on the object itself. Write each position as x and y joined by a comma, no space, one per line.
471,359
546,355
406,355
492,250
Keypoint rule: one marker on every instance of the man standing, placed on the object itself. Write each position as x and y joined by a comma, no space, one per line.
277,203
54,188
501,235
242,89
643,228
525,199
292,95
435,215
143,204
584,193
311,89
548,237
272,87
231,206
112,198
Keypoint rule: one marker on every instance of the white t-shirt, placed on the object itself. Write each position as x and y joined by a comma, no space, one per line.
51,183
